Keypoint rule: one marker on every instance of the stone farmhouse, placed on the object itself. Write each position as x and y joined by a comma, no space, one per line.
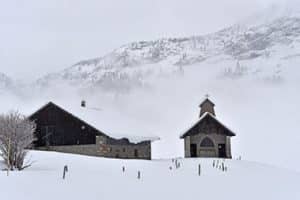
79,131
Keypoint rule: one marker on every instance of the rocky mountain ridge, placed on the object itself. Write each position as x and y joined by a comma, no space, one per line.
131,65
138,60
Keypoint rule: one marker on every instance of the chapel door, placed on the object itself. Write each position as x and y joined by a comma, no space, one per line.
222,150
193,149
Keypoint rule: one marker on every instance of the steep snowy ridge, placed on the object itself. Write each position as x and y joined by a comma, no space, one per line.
131,64
271,45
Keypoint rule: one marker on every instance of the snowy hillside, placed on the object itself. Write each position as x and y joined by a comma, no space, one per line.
99,178
131,65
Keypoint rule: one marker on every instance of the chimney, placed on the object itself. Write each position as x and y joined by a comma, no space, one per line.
207,106
83,104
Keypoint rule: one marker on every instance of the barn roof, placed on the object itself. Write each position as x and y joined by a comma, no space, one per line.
104,124
205,115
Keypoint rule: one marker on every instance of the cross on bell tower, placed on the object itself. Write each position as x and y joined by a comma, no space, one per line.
207,106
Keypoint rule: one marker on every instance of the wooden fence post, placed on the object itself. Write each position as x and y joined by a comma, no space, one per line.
65,171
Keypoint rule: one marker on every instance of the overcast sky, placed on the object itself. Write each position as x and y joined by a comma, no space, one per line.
37,37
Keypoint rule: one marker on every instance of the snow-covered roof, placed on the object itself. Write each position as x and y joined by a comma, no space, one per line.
207,114
104,123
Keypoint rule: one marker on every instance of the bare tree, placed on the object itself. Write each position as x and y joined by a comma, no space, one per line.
16,136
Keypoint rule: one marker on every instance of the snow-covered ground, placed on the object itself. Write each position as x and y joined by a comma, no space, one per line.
95,178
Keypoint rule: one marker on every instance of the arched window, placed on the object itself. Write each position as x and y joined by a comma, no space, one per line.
206,142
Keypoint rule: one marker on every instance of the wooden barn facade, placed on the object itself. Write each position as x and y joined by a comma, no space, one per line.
208,137
62,131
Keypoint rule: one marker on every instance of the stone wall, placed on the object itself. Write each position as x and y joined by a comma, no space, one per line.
102,149
187,145
89,150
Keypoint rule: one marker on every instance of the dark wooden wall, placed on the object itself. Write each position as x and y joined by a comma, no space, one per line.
57,127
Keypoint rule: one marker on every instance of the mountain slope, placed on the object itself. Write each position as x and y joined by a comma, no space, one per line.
130,65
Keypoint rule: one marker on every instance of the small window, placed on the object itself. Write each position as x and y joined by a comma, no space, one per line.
124,150
136,153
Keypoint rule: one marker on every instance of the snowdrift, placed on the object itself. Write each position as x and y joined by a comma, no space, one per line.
100,178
